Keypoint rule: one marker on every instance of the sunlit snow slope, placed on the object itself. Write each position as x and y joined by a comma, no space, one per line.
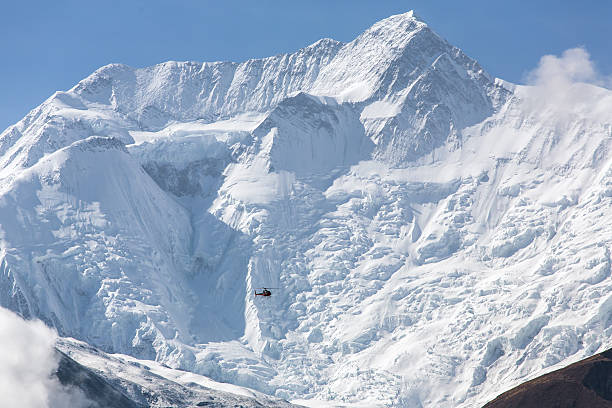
437,236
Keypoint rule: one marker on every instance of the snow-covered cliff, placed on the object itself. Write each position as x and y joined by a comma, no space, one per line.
435,234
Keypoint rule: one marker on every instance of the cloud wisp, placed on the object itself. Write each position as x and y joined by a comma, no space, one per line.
574,65
569,84
27,363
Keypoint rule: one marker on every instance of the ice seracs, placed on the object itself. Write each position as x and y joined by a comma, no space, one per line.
436,235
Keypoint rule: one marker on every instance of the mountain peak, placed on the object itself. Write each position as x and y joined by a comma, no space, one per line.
405,22
409,15
392,52
325,42
413,14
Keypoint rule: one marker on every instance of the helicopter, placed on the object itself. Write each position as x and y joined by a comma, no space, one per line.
264,292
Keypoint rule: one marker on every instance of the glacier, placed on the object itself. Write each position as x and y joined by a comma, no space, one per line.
437,235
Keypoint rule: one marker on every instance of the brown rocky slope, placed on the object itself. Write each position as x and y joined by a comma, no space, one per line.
585,384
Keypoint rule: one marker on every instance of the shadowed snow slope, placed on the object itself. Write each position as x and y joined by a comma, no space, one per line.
436,235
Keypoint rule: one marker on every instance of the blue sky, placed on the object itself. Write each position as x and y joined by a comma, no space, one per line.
50,45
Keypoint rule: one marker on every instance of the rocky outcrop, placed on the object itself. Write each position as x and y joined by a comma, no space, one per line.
585,384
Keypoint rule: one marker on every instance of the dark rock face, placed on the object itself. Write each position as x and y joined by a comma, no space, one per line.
585,384
599,379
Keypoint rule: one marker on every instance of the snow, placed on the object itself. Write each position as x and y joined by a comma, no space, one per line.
254,185
222,130
436,235
157,385
380,109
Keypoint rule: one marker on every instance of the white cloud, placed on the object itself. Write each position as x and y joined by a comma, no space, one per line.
27,363
569,85
574,65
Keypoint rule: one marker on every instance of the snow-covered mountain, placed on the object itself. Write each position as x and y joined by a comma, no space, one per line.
121,381
436,235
